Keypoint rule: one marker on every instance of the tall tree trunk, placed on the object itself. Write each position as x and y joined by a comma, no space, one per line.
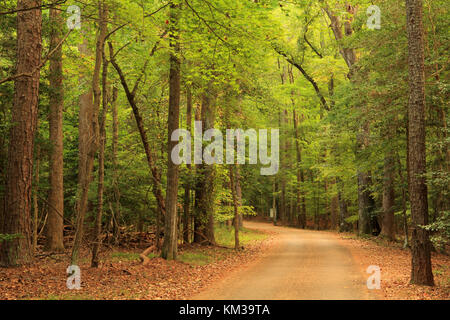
365,204
421,272
169,250
237,182
274,201
404,201
115,142
301,218
103,12
88,142
35,195
19,172
204,191
55,222
187,187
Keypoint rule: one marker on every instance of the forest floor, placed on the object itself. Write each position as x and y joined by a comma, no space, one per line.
395,265
121,276
277,263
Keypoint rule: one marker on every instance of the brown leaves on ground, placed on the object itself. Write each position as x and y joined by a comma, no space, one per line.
395,265
118,278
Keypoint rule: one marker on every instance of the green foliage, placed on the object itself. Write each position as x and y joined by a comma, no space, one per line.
440,230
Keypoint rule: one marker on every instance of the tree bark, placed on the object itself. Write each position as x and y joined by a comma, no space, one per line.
35,195
16,216
88,143
187,187
103,13
169,249
204,191
421,271
115,142
301,206
55,222
237,182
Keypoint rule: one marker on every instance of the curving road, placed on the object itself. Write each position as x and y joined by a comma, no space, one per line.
302,265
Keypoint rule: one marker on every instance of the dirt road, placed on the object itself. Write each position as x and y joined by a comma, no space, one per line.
301,265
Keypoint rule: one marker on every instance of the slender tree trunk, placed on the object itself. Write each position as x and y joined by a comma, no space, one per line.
237,182
299,178
421,272
151,161
199,223
88,142
274,202
366,202
19,172
236,206
204,193
55,222
187,187
102,137
115,142
169,250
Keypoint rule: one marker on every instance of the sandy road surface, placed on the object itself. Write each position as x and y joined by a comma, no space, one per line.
301,265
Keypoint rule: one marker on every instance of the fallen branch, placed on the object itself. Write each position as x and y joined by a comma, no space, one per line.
143,256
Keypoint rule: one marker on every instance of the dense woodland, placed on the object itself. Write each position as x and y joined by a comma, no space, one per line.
89,99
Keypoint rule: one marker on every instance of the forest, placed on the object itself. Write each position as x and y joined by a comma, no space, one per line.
193,137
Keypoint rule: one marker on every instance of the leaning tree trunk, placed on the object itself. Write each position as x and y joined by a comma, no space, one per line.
55,222
169,249
421,272
16,216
